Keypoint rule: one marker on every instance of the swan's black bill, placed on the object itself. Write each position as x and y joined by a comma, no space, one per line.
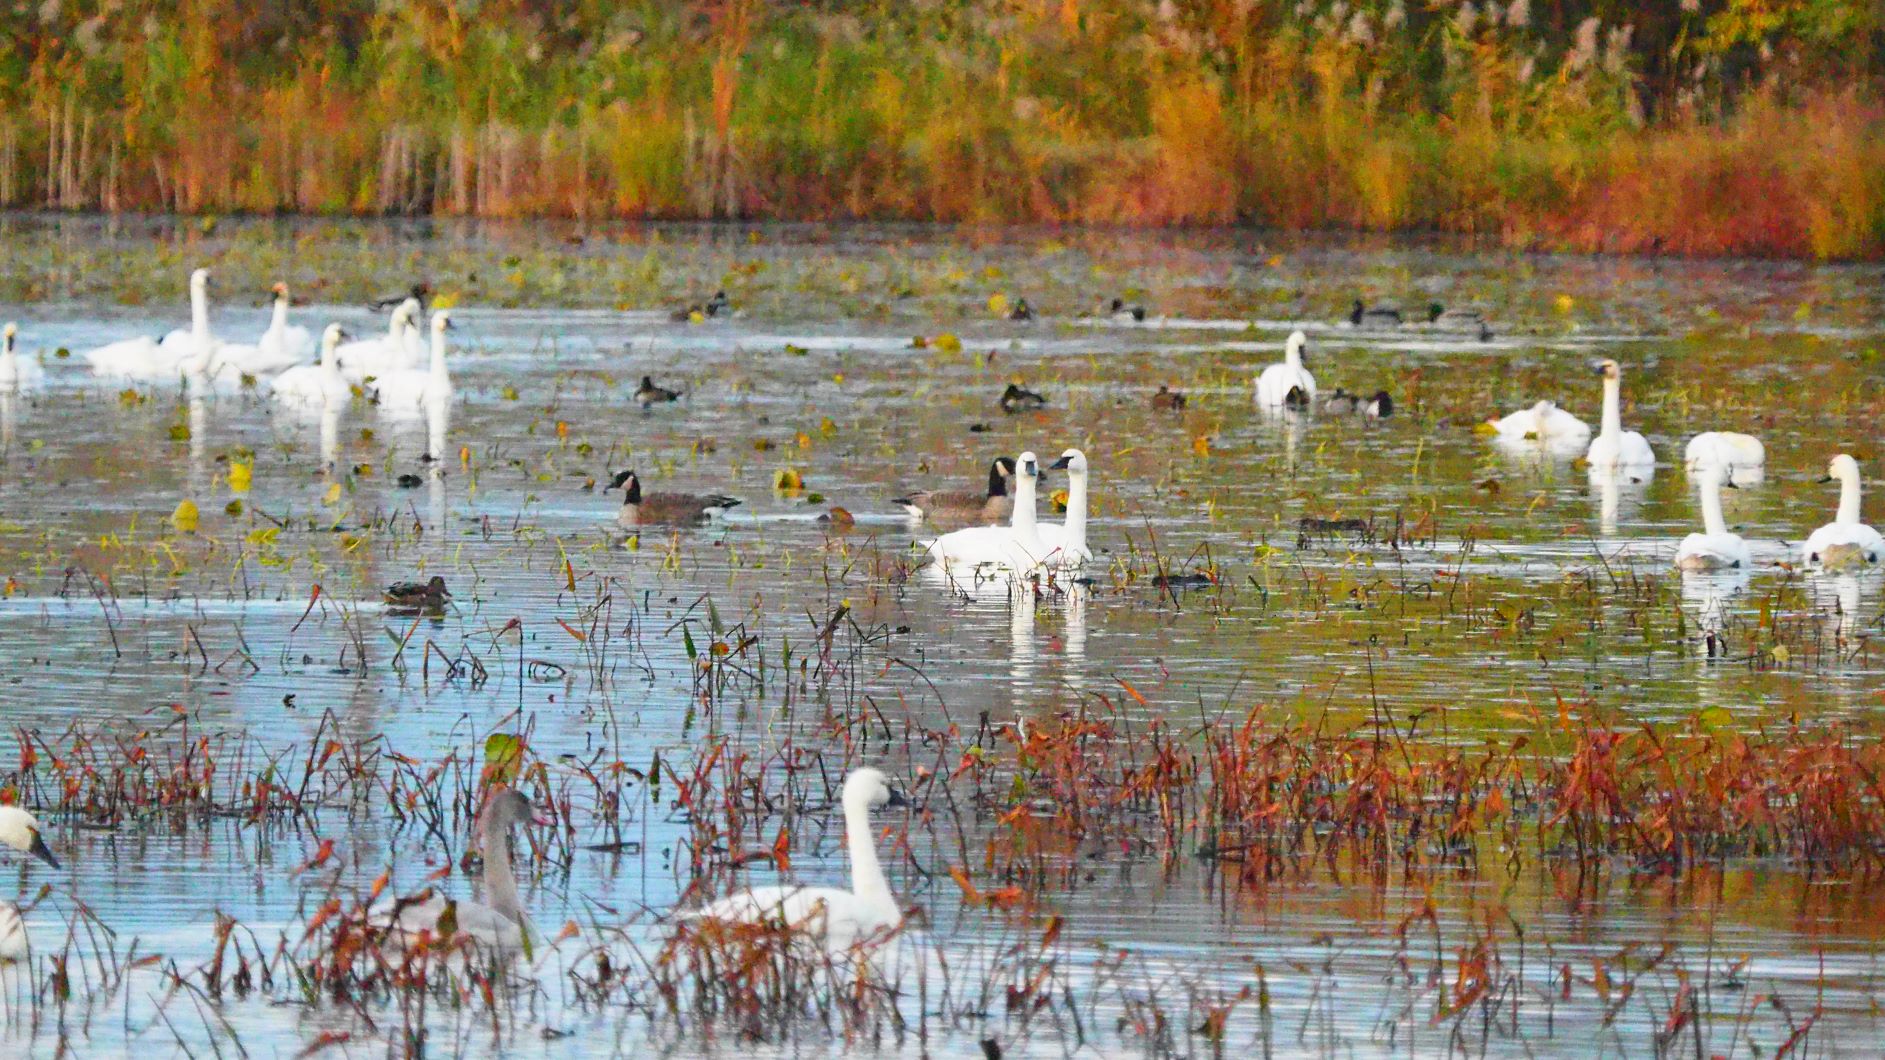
897,798
41,851
1060,465
1825,478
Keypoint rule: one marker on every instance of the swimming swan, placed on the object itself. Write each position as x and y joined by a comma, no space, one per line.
1845,542
316,385
395,351
19,830
409,390
281,347
1016,547
1544,426
499,922
1279,380
1066,542
1715,548
1724,449
832,917
15,373
1615,449
177,354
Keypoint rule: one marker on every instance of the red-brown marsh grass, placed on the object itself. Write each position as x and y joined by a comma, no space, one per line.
1668,131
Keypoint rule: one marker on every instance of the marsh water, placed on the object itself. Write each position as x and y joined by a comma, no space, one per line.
1517,583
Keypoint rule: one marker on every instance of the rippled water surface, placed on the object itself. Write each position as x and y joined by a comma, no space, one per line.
1515,584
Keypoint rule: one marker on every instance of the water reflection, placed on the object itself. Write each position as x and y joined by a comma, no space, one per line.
1707,596
330,437
1619,496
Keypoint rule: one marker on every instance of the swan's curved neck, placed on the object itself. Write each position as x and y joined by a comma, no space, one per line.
280,323
867,875
1292,355
1848,500
396,328
1712,521
199,312
500,884
1076,508
438,353
329,361
1024,520
1613,407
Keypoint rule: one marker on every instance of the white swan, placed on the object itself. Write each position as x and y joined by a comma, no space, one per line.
1715,548
15,373
1724,449
20,831
1279,380
498,922
177,354
1615,449
1066,542
399,349
281,347
1845,542
1016,547
1543,426
831,917
412,390
316,385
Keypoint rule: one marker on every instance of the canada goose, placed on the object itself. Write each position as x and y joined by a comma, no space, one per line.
1379,316
1017,399
669,509
995,505
1122,312
649,394
1615,449
426,596
499,922
1845,542
1278,380
1715,548
833,918
1168,399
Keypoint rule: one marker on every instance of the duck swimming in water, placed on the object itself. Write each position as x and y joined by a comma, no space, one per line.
1020,399
649,394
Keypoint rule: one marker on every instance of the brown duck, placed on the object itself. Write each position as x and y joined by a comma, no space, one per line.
667,509
418,596
1168,399
995,505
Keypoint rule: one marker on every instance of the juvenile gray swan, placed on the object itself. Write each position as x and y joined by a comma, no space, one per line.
498,922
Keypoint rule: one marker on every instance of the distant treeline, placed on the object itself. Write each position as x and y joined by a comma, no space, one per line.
1687,126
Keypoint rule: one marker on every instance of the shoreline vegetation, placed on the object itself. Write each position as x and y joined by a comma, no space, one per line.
1704,127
